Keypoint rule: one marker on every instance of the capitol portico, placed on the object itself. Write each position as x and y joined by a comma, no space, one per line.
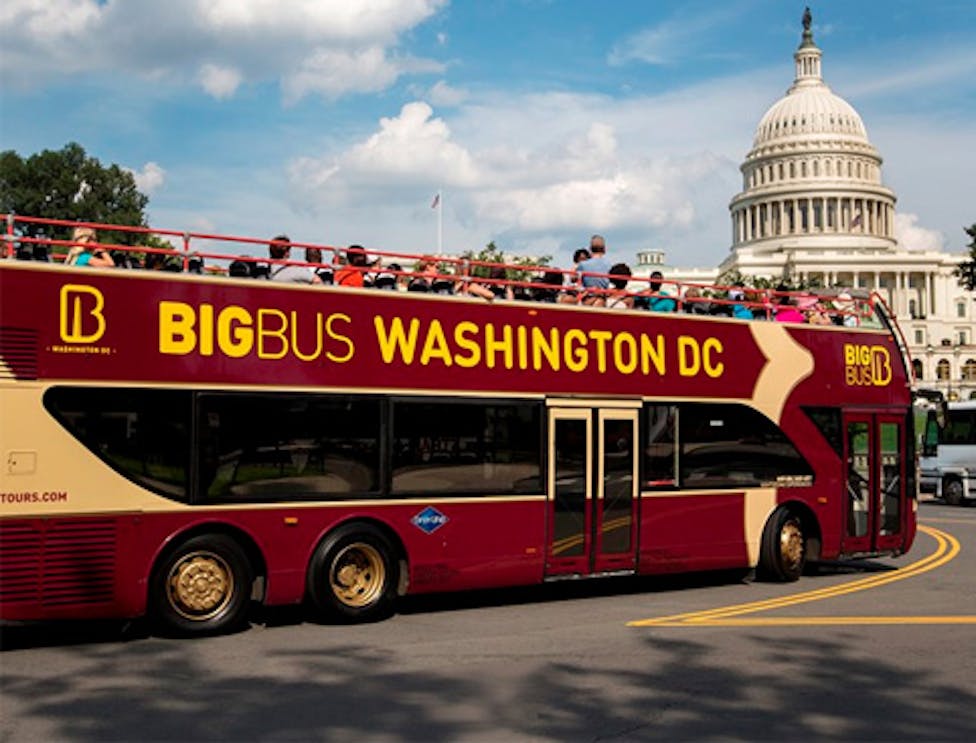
814,209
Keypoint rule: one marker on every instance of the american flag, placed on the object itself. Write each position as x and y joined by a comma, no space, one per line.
857,220
436,201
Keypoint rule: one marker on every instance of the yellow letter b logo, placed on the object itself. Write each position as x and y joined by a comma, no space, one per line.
82,320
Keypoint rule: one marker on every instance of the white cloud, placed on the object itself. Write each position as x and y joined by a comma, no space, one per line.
680,37
911,236
327,47
442,94
150,178
220,82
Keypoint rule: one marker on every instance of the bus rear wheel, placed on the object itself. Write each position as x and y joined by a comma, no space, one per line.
952,491
353,575
201,587
782,554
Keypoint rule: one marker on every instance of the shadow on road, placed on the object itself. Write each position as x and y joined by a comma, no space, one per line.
660,685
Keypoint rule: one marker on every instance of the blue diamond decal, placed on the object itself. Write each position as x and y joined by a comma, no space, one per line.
429,520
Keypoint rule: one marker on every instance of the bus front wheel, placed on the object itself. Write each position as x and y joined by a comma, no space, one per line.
353,575
202,586
782,554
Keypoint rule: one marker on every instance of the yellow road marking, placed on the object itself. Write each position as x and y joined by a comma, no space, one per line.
947,547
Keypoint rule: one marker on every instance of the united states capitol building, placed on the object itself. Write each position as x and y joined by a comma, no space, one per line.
813,207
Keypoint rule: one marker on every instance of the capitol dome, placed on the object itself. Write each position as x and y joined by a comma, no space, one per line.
812,171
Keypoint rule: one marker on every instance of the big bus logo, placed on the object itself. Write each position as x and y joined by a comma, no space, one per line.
866,366
81,319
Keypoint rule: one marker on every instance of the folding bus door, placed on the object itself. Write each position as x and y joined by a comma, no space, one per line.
875,498
592,487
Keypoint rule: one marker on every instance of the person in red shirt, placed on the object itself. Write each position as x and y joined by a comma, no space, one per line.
352,273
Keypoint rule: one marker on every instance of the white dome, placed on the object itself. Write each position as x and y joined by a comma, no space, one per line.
812,111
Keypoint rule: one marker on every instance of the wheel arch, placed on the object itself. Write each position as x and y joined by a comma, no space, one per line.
255,555
383,527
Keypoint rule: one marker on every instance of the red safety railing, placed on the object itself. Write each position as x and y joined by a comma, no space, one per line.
454,273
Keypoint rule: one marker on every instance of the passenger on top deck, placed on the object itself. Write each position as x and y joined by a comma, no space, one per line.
324,272
86,253
785,307
280,249
352,273
597,264
468,285
659,300
618,298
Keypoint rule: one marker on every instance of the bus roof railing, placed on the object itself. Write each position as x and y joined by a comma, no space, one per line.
842,306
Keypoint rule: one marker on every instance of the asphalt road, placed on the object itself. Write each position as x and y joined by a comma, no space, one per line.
862,652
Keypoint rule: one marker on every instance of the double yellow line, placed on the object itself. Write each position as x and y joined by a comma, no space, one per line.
947,547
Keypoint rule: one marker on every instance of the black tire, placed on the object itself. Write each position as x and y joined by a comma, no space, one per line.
201,587
952,491
782,555
353,575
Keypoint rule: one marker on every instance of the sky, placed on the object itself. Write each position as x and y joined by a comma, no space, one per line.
540,122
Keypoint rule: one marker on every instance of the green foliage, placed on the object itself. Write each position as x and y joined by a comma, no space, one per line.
491,253
71,185
966,272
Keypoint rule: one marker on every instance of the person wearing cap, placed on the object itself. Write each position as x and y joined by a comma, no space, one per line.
280,250
84,252
846,312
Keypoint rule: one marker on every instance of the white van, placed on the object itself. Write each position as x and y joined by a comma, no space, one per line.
948,469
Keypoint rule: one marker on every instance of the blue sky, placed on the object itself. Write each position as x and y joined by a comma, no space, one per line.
543,121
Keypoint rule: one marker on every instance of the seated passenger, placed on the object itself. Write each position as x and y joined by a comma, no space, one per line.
85,252
785,307
846,311
352,273
695,303
500,291
280,249
324,272
468,285
739,310
659,300
239,269
553,281
387,279
618,299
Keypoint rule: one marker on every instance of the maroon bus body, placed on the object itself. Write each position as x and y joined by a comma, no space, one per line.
56,330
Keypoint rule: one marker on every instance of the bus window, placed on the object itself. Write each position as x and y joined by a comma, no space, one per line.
659,449
732,446
467,447
144,434
286,446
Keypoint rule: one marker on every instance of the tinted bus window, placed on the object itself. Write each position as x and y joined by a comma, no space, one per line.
280,447
659,448
732,446
144,434
467,447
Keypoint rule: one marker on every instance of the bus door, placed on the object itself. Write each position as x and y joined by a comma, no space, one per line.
875,500
592,490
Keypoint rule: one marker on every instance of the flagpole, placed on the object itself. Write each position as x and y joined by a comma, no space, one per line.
440,223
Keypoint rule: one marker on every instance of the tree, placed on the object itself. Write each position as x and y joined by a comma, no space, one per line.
966,272
70,184
491,253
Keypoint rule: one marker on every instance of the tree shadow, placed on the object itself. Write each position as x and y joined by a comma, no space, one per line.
649,686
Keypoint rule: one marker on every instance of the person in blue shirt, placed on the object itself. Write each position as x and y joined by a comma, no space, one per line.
659,300
597,264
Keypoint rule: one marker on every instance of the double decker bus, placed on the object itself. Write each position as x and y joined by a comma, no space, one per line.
181,445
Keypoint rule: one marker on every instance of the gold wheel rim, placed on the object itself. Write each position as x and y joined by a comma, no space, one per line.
791,545
200,585
358,574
